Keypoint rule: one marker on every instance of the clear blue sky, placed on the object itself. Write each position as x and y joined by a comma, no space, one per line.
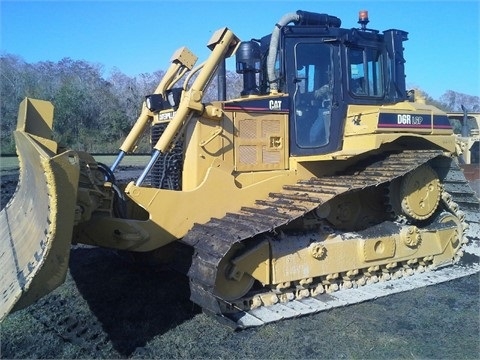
140,36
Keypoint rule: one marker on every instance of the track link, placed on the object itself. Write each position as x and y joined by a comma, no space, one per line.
212,241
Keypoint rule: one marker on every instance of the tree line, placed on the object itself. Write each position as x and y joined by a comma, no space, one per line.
91,112
94,112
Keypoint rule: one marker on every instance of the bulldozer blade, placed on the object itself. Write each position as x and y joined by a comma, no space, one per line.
36,225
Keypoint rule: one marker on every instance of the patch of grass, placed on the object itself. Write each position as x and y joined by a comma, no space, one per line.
8,163
128,160
146,314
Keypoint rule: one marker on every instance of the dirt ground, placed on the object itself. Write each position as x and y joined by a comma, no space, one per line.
110,307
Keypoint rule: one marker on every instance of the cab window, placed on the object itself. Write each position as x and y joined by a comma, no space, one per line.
366,78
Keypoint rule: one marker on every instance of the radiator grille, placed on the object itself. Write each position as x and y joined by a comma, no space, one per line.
166,173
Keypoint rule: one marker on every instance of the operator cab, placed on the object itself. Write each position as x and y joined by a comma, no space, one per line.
325,68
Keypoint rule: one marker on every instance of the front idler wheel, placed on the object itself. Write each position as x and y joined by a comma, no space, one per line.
231,283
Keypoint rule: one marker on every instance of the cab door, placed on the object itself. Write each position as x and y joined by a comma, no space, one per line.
312,82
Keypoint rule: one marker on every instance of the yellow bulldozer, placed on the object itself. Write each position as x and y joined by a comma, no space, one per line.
324,183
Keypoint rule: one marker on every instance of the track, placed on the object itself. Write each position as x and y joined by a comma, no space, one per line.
214,239
311,305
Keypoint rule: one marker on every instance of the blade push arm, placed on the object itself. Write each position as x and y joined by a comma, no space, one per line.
182,61
223,45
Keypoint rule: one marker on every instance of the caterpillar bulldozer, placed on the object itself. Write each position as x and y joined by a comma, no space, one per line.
324,183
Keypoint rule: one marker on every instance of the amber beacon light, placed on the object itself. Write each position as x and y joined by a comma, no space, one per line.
363,18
